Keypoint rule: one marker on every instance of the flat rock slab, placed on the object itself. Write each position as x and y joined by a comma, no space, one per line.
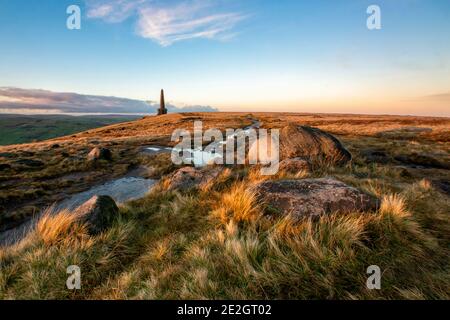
312,197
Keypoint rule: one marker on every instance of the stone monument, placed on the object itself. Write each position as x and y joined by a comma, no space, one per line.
162,105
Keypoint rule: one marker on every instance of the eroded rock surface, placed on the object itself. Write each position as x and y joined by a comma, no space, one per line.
98,212
190,177
311,144
313,197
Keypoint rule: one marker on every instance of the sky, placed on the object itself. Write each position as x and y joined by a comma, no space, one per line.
252,55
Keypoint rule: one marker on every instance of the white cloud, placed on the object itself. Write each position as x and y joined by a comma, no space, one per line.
113,11
167,24
100,12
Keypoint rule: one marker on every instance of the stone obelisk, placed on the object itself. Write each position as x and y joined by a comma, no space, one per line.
162,105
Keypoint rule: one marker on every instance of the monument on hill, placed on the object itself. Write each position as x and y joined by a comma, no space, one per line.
162,105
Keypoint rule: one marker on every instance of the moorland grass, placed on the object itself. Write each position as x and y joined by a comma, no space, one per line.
216,243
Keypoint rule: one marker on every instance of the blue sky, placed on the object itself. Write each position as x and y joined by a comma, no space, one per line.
286,55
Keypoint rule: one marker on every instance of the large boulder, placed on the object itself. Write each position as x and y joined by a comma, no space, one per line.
312,197
98,213
99,154
311,144
190,177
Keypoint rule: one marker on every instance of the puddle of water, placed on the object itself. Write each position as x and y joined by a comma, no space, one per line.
156,150
121,190
198,157
159,148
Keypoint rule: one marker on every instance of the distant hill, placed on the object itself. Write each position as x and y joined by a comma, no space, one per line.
15,129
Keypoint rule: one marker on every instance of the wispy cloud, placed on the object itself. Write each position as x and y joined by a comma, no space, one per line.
113,11
167,23
440,97
17,100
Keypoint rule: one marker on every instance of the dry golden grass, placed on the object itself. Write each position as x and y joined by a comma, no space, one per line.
61,227
215,243
238,204
365,125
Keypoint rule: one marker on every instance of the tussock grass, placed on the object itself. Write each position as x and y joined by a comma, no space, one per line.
237,204
54,229
215,242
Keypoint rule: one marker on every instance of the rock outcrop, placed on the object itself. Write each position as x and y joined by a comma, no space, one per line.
190,177
98,213
312,197
311,144
99,154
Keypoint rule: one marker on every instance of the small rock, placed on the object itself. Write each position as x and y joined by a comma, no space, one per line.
190,177
313,197
30,163
295,165
99,154
99,213
55,146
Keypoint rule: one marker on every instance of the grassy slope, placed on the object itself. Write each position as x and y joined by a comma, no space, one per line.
15,129
217,243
